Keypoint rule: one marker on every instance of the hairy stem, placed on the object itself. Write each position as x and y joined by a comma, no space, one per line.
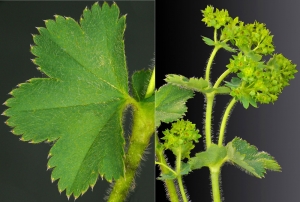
210,61
224,121
142,130
170,186
215,35
167,167
221,78
214,175
179,180
208,114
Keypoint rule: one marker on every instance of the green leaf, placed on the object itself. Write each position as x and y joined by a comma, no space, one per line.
234,83
194,84
227,47
213,156
252,102
185,168
254,56
247,157
140,80
208,41
170,103
168,176
79,107
245,102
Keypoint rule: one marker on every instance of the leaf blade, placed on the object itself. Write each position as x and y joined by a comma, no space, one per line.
195,84
80,106
140,80
170,103
247,157
214,155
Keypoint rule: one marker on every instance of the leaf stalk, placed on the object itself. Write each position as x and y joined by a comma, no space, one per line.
142,130
170,186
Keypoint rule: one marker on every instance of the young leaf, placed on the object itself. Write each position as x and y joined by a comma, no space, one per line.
234,83
245,102
214,155
168,176
80,105
208,41
170,103
185,168
140,80
227,47
247,157
194,84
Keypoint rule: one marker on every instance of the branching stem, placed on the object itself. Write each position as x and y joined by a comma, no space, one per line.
167,167
179,179
221,78
224,120
142,130
170,186
210,61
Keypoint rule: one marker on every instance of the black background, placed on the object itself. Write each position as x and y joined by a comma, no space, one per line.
272,128
23,175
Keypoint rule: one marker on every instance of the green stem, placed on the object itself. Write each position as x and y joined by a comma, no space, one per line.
142,130
210,61
214,175
215,35
167,167
178,168
224,120
221,78
170,186
208,114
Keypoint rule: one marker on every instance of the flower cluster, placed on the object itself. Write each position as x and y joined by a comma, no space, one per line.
216,18
254,36
260,81
180,138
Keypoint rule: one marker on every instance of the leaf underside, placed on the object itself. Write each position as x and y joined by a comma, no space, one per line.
248,158
80,105
170,103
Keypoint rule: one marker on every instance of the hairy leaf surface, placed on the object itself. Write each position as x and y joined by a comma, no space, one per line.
170,103
247,157
208,41
80,105
195,84
214,155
